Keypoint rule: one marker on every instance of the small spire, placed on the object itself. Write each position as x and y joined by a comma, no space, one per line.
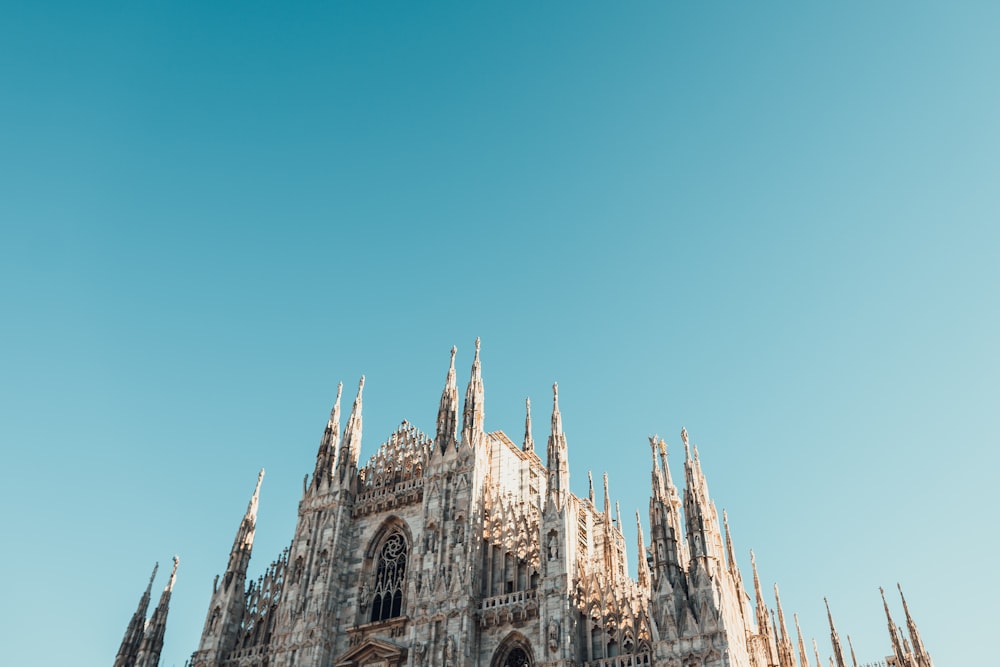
897,648
802,647
447,420
819,663
473,414
351,449
643,564
618,516
149,586
923,657
838,652
556,416
607,497
684,439
590,483
254,500
529,441
854,658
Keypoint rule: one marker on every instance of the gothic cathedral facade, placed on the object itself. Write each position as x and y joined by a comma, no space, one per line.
464,549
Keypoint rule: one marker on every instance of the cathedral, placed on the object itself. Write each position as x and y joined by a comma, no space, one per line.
462,548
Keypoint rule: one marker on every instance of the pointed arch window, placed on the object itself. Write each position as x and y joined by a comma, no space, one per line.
390,577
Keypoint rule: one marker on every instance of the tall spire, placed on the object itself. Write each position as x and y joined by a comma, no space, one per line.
350,450
897,647
920,653
643,564
786,655
239,557
556,456
763,621
803,660
447,420
838,652
129,649
607,498
854,658
473,415
326,457
529,441
152,640
703,535
734,570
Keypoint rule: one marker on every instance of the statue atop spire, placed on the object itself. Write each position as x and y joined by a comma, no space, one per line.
556,456
529,441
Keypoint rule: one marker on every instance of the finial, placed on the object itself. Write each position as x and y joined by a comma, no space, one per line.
453,351
340,390
173,575
529,440
361,385
156,566
555,391
590,481
684,439
607,496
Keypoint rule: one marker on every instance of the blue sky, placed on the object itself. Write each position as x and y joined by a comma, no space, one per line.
775,225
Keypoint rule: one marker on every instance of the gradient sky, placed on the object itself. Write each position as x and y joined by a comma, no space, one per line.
775,225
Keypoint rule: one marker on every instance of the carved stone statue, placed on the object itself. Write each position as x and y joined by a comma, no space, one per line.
553,636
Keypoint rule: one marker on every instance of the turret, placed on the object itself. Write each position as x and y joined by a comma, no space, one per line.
473,414
152,640
326,457
129,649
350,450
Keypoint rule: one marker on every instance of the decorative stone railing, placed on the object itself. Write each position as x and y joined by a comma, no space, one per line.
509,607
379,498
630,660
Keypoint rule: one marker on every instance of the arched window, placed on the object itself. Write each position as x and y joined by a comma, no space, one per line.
517,658
514,651
390,577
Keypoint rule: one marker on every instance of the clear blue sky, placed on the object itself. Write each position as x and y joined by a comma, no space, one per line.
775,225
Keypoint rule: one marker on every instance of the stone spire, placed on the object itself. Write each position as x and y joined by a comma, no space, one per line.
590,487
666,526
838,652
703,536
529,441
557,456
225,611
763,620
920,654
129,649
326,457
897,647
734,570
152,640
854,658
819,663
786,656
473,415
643,564
350,450
607,501
447,419
803,660
239,556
